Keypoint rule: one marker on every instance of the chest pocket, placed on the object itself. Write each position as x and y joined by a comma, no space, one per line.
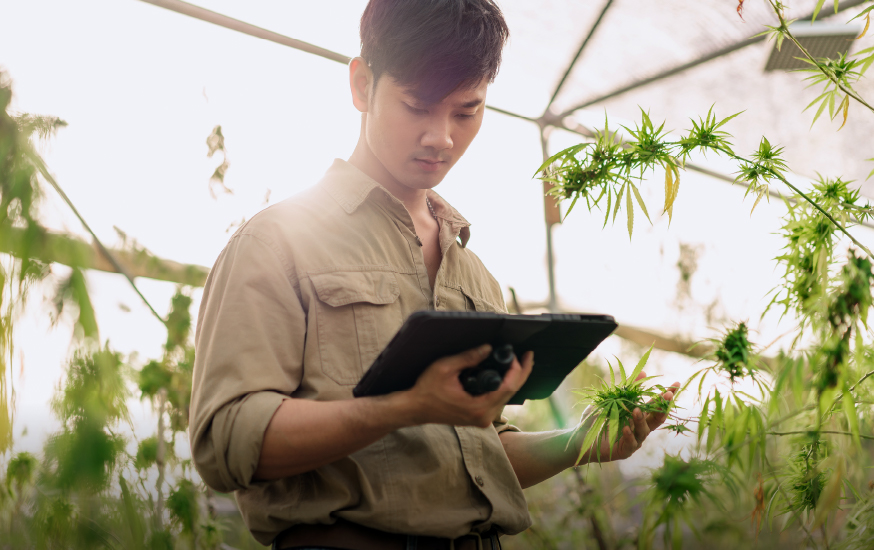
357,314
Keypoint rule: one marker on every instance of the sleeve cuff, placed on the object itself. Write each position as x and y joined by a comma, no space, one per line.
248,422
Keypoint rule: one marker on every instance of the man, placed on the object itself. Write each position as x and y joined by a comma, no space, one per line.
308,292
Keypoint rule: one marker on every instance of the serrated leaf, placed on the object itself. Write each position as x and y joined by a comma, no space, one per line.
630,213
762,193
622,372
612,375
640,364
614,427
609,202
640,202
669,187
867,24
591,437
821,109
618,202
818,7
845,107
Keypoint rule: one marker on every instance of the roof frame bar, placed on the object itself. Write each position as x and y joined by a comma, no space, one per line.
582,47
749,41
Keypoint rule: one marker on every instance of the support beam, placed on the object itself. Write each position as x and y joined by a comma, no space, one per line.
73,251
582,47
749,41
210,16
221,20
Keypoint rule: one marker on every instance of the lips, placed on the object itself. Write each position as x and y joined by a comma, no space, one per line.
429,165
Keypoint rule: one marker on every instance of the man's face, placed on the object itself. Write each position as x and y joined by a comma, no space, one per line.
418,143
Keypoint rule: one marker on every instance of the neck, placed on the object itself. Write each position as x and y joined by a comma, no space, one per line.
364,159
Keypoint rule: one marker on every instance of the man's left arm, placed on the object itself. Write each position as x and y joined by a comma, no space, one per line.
537,456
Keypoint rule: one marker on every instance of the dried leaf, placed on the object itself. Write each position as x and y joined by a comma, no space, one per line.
669,187
845,107
867,24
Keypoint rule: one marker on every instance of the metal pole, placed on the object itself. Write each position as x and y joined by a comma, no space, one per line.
550,256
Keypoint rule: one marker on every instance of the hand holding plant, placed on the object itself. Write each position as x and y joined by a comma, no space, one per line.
617,420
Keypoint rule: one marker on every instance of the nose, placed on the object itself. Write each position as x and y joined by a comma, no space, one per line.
438,133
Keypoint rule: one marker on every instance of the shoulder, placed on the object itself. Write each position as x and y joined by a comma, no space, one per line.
476,280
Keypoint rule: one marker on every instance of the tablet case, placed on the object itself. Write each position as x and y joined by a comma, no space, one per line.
560,342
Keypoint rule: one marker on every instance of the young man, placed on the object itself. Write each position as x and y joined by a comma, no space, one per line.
307,293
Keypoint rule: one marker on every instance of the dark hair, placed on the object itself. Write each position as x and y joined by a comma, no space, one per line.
434,47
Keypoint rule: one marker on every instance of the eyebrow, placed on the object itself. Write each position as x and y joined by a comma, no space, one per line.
471,104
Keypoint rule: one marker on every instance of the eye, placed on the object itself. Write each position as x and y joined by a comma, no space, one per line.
465,115
415,111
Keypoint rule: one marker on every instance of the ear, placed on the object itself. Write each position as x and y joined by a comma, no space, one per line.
360,83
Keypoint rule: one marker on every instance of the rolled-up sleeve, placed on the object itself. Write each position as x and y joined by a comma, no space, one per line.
249,358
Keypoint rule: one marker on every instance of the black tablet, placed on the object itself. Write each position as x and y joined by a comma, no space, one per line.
560,342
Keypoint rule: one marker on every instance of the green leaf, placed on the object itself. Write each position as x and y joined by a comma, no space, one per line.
614,427
640,364
629,213
849,406
591,437
830,496
618,201
607,212
132,518
622,372
640,202
818,7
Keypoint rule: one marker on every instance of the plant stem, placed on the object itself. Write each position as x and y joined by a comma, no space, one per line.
795,513
867,375
802,195
785,30
799,432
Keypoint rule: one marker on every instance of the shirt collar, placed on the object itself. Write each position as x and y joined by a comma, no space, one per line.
350,187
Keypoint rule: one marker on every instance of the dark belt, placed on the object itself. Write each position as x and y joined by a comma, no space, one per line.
345,535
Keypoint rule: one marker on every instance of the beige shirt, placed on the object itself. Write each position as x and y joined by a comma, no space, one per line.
298,305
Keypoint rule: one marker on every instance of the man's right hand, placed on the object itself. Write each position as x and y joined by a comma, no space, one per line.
304,434
439,398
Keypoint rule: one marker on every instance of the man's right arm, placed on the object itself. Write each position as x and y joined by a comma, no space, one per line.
304,435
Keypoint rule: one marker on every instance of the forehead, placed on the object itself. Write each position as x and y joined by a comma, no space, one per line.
465,95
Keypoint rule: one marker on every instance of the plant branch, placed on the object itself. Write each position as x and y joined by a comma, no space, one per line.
867,375
835,432
784,29
43,169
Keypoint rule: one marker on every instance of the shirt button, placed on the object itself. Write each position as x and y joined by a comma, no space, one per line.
479,480
437,301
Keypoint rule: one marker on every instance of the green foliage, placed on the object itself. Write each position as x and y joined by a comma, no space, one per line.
735,354
673,487
611,406
183,505
805,479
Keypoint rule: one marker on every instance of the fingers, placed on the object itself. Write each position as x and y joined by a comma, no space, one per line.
641,426
628,444
518,373
640,376
469,358
654,420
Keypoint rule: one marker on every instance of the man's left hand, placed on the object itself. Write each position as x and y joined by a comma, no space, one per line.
633,435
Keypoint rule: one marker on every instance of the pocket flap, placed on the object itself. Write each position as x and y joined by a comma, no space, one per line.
480,304
340,288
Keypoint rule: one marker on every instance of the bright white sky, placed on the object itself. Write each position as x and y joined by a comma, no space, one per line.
141,88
